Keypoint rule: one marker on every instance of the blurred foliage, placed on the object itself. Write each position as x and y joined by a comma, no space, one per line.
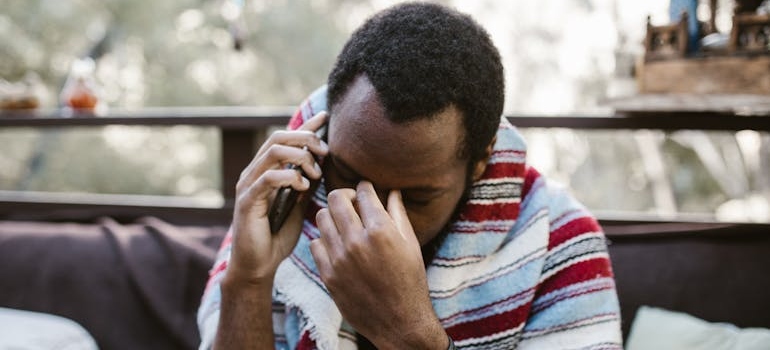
561,57
176,160
171,53
156,53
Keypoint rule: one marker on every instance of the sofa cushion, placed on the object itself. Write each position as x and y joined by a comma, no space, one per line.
135,286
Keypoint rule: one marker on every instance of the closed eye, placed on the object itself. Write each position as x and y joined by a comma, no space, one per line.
416,202
343,171
420,197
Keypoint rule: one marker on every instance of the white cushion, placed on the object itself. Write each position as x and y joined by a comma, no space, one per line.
659,329
25,330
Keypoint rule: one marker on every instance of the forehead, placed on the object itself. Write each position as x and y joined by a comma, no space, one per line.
421,152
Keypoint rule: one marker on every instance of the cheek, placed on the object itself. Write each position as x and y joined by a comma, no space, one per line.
428,223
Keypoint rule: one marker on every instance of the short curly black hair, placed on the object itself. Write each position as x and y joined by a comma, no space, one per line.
422,58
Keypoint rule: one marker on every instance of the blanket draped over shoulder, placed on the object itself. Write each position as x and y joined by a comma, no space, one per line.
525,266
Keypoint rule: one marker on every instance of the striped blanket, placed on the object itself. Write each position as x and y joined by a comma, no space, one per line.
525,266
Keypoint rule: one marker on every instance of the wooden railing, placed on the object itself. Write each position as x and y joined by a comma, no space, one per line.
244,128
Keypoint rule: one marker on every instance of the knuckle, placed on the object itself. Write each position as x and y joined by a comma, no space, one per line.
297,176
331,280
242,203
334,196
272,152
338,263
340,194
356,248
276,136
377,226
321,215
269,178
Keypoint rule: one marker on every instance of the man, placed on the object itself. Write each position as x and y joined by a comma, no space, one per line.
434,233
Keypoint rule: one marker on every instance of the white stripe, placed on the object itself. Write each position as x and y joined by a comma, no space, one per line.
576,338
532,239
494,201
488,338
481,279
323,317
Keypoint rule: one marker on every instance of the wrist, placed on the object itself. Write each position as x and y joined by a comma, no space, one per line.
451,345
431,337
234,281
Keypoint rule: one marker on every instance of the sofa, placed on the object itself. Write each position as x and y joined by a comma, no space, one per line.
137,285
131,286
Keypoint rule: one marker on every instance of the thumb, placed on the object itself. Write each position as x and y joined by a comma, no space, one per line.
397,212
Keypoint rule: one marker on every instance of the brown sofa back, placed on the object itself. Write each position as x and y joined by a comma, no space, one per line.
134,286
719,274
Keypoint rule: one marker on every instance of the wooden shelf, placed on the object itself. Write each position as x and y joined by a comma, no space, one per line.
746,74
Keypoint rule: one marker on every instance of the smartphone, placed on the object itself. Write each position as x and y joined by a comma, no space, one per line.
287,196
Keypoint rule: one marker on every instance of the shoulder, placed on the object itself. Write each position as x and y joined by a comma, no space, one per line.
567,217
312,105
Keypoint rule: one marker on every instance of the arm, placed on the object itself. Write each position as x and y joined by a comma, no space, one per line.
238,299
245,319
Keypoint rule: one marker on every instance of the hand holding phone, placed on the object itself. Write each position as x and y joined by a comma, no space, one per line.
286,197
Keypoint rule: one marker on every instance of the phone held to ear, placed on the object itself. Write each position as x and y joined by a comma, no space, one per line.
286,197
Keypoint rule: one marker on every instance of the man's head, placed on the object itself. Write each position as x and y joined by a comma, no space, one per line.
421,58
415,99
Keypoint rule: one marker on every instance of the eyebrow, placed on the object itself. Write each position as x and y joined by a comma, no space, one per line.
339,163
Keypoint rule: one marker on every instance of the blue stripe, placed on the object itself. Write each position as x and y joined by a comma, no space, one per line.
463,245
509,139
574,309
499,288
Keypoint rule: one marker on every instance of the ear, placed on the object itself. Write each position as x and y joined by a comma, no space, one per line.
481,165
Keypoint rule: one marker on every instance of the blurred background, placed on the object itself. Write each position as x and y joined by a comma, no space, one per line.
562,57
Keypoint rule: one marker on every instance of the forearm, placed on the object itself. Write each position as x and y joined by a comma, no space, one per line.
429,337
245,319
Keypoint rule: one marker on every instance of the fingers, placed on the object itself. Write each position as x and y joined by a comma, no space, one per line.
330,237
315,122
351,214
302,137
269,181
299,148
373,214
321,257
398,214
342,210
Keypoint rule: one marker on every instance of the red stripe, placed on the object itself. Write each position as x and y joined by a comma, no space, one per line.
576,273
498,170
529,179
485,212
572,229
490,325
222,266
296,120
305,343
510,151
219,268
